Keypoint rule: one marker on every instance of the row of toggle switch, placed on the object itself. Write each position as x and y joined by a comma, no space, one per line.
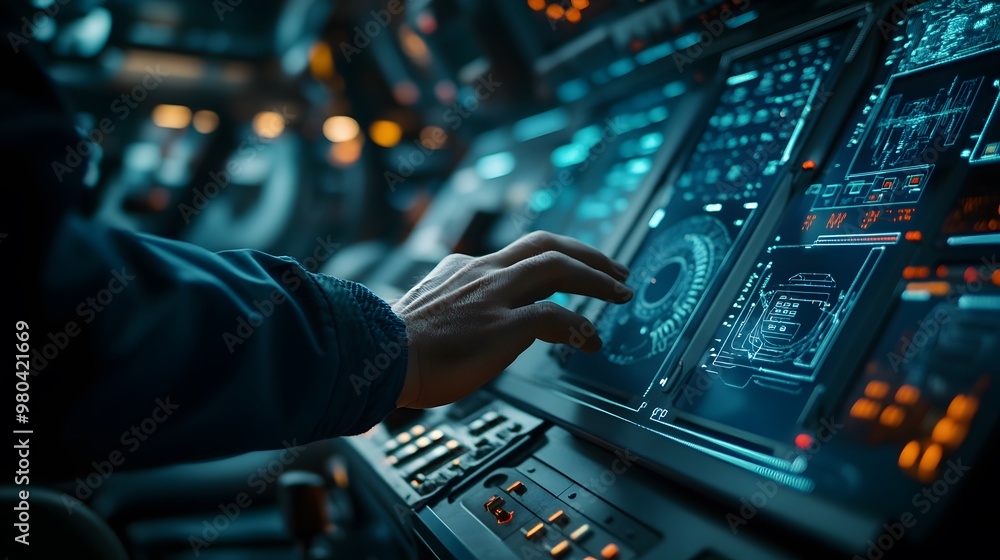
498,507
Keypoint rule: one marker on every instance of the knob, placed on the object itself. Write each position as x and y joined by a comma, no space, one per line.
304,506
495,506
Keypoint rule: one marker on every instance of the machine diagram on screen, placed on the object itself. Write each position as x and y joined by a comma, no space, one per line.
789,314
910,128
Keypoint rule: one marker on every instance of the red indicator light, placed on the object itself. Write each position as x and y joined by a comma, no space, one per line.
803,441
971,275
808,164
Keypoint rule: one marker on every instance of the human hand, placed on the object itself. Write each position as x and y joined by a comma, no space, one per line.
471,317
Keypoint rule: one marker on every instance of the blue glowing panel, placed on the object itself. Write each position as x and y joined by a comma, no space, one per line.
736,164
923,120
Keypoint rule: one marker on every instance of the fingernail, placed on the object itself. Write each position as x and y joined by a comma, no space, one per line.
627,292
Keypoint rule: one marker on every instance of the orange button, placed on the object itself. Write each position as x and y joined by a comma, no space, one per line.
516,488
559,517
535,531
610,551
559,549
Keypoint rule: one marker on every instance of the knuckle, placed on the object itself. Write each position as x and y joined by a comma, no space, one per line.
551,259
541,239
455,259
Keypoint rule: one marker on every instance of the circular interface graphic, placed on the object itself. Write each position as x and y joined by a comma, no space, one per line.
669,276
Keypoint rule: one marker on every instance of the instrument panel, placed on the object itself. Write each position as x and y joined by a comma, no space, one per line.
812,234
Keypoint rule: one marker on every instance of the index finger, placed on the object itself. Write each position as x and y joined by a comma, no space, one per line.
539,242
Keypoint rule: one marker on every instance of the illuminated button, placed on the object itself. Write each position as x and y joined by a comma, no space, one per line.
971,275
516,488
949,433
559,549
417,430
963,407
559,518
436,435
907,394
477,427
581,532
930,461
877,389
404,437
914,235
610,551
865,409
892,416
535,531
908,456
423,442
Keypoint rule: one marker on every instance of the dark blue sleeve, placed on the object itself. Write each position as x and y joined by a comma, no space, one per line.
238,350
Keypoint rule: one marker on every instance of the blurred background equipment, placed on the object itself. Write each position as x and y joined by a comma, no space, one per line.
806,192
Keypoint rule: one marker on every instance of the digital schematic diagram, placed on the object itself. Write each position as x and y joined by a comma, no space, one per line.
906,128
941,31
921,120
789,314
